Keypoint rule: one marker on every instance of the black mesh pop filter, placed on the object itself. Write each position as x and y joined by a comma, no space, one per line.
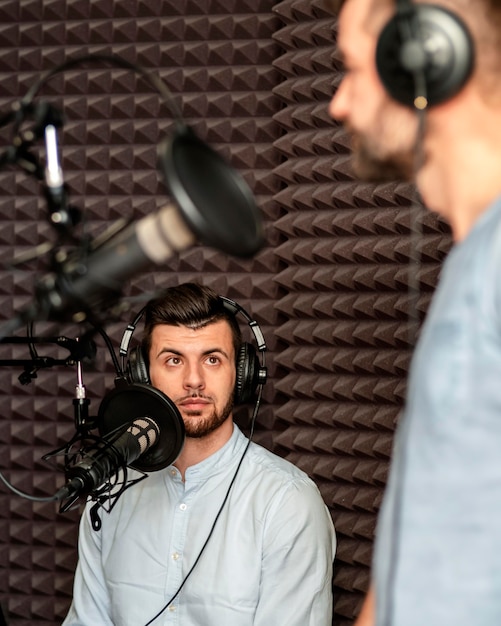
123,405
212,197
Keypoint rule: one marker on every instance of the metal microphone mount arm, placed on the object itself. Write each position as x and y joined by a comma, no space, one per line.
79,350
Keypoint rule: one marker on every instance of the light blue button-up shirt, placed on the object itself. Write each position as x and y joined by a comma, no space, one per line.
267,563
438,549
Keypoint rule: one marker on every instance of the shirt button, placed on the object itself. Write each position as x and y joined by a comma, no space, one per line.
172,608
173,472
175,556
183,507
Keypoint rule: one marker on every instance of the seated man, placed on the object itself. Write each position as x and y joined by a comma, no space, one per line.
230,534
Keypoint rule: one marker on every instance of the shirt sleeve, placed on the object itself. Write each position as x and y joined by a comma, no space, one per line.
91,604
300,545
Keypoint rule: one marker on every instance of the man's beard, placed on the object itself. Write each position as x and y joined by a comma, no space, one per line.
203,427
372,167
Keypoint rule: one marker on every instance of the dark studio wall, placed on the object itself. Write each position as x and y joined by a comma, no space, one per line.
329,289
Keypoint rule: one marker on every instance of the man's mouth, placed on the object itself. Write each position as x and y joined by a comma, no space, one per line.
194,404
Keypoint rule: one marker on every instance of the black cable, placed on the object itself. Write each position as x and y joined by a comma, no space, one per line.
416,238
153,80
251,434
32,347
110,347
26,495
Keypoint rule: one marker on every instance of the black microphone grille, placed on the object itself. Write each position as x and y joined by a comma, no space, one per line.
146,431
128,406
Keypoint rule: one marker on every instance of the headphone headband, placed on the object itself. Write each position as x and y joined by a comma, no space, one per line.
251,371
234,308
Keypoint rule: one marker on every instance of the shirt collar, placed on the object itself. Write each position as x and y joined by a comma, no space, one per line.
221,460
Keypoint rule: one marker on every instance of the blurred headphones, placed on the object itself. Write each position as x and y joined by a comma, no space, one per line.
250,370
424,54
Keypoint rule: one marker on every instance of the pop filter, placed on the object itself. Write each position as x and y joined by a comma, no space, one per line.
123,405
212,197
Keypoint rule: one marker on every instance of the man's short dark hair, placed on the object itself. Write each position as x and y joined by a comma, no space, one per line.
191,305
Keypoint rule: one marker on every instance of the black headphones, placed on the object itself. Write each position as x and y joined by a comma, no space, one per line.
424,54
250,370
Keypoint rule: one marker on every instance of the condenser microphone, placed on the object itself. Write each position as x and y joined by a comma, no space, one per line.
212,203
125,403
93,280
139,427
103,460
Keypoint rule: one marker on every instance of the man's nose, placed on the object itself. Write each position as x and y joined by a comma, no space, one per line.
338,106
193,378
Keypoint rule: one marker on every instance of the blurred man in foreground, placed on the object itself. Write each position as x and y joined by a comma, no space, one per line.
438,542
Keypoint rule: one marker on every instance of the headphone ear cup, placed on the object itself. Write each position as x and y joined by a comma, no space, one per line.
438,49
137,366
247,368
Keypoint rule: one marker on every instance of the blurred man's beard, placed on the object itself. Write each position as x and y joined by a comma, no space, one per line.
371,167
202,427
